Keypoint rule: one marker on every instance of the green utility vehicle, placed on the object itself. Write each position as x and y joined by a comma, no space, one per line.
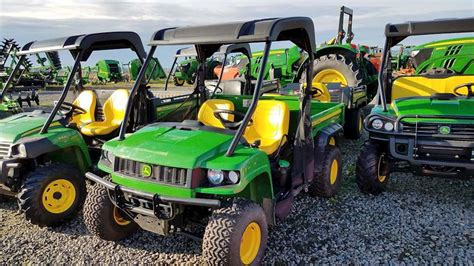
235,167
109,71
423,123
43,156
455,55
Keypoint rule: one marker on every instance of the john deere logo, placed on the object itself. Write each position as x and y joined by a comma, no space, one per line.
445,130
146,170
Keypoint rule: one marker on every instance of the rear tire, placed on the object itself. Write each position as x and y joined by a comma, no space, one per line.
52,194
372,169
327,182
103,219
354,123
236,235
346,66
178,82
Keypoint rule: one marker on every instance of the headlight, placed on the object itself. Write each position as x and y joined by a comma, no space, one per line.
19,150
414,53
234,177
377,124
107,157
216,177
388,126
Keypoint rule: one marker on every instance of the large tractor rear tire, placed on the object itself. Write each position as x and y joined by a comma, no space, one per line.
335,68
52,194
103,219
178,82
236,235
372,169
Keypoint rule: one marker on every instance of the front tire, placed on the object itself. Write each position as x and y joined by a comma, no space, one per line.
52,194
236,235
327,182
103,219
354,123
372,169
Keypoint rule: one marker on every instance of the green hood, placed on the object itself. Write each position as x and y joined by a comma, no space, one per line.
21,125
426,106
169,146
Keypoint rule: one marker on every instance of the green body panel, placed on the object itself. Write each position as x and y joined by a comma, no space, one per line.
19,126
109,70
286,61
336,48
152,72
159,144
455,54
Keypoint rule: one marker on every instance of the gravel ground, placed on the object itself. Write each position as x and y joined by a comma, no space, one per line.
418,220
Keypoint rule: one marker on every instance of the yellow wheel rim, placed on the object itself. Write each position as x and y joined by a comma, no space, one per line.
118,218
334,172
361,123
332,141
250,243
380,177
59,196
330,76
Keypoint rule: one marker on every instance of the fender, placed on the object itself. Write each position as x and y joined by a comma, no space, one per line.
321,141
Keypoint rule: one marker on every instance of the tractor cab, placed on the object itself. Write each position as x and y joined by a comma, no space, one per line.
423,122
47,153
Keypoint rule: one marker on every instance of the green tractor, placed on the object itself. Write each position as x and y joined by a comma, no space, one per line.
451,55
230,164
400,55
423,122
109,71
154,71
43,156
186,69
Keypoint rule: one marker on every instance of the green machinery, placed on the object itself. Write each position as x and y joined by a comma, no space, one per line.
154,71
185,70
400,55
109,71
452,55
230,163
43,156
423,122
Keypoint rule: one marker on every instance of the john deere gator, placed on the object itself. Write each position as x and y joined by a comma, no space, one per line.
423,123
231,164
43,156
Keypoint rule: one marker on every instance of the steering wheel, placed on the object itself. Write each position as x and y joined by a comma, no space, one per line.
230,124
470,90
70,110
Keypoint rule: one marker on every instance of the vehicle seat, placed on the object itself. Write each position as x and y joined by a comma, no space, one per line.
114,113
87,100
206,112
411,86
270,124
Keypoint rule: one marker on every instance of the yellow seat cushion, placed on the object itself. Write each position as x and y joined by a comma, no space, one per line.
270,124
114,113
87,100
411,86
206,112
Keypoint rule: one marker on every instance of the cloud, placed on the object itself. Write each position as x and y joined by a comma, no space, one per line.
47,19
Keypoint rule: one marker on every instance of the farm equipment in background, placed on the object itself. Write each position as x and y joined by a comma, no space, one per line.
154,70
186,69
401,57
109,71
451,55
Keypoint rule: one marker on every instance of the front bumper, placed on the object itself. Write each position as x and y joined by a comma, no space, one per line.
148,204
9,168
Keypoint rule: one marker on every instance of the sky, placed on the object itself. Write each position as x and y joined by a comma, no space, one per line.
38,20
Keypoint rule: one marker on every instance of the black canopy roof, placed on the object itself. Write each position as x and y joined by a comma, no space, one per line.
299,30
88,43
398,32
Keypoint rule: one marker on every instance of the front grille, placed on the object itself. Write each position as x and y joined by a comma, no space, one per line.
4,149
433,129
160,174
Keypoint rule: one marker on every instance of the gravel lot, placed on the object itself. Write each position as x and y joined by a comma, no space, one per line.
418,220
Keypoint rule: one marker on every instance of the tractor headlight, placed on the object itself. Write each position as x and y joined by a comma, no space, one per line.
388,126
107,157
377,124
215,177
